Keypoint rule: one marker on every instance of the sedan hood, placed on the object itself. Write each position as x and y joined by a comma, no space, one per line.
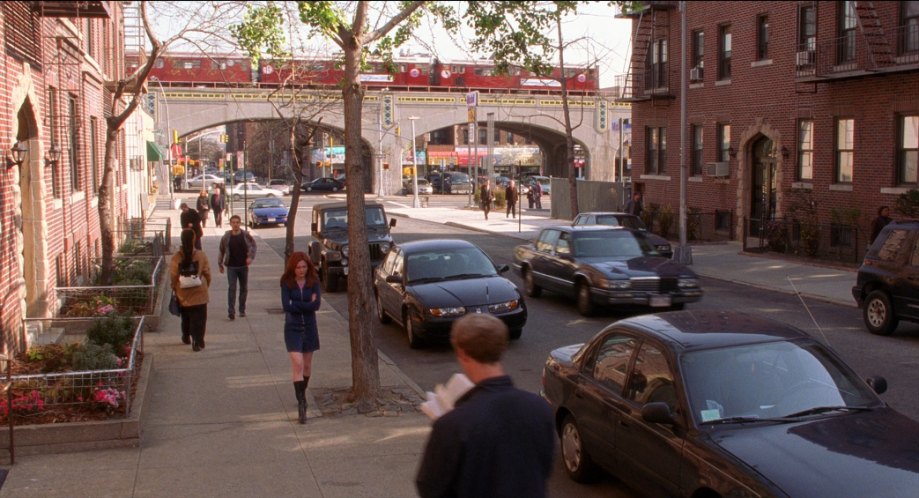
464,292
639,267
854,454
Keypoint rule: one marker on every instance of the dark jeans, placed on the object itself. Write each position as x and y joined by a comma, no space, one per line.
218,217
234,274
194,321
512,209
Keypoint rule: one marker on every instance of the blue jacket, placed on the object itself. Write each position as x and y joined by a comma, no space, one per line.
299,311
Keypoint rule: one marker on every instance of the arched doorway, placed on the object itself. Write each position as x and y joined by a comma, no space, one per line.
31,265
763,184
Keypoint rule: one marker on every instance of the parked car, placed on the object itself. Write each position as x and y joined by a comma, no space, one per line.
203,181
604,266
887,285
450,182
328,246
280,184
424,186
722,403
251,191
627,220
325,183
241,176
425,285
267,211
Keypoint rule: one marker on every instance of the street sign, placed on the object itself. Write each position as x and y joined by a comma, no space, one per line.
472,99
470,115
388,119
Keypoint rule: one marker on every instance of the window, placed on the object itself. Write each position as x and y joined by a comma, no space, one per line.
497,135
193,64
762,37
93,154
695,167
724,52
805,169
465,135
74,150
698,54
90,42
53,119
547,240
611,363
510,137
845,149
657,150
651,380
909,27
908,149
807,29
483,136
848,22
656,74
724,142
159,63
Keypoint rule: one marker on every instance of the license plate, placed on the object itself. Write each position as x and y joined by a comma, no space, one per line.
659,301
270,220
345,270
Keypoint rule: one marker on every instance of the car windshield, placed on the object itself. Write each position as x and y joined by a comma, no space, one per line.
633,222
616,244
459,178
450,263
770,380
338,218
269,202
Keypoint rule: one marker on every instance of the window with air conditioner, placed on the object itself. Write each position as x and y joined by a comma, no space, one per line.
718,169
804,58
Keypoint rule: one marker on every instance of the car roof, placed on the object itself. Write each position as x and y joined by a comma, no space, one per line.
586,228
708,329
343,204
607,213
434,244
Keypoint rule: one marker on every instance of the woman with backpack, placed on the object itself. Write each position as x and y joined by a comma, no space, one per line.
190,275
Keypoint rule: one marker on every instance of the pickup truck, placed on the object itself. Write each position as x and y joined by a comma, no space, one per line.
604,266
328,247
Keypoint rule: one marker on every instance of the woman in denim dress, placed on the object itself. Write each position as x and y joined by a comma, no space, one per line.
300,300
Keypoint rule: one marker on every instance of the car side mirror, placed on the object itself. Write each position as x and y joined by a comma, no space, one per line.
878,383
392,223
502,268
657,413
394,279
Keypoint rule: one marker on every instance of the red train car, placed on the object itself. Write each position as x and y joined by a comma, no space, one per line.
200,70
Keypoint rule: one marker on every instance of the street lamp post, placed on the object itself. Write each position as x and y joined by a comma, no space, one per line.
168,140
415,202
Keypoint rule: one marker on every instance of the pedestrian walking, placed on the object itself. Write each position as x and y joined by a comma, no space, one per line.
531,199
190,275
879,223
192,220
217,204
537,194
510,195
486,196
634,206
300,299
177,183
203,205
498,440
237,251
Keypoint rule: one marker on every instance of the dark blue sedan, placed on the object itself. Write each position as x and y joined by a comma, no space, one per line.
715,403
267,211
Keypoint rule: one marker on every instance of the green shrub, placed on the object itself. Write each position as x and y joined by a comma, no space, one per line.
500,198
665,220
907,204
53,357
114,330
95,357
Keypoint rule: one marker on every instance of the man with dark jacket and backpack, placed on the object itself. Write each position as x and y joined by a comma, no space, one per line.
237,251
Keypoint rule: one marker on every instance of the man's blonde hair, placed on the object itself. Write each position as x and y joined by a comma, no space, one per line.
483,337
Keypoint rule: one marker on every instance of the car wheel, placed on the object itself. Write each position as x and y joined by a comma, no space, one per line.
384,318
515,334
309,189
414,341
237,197
585,305
334,189
879,314
529,284
578,464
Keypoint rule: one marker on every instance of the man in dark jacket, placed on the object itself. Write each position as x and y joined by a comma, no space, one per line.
510,196
237,251
498,440
217,204
191,219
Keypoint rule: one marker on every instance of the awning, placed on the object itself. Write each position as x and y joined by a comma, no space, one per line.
154,153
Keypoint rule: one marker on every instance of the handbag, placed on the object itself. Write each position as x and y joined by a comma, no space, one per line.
190,281
174,307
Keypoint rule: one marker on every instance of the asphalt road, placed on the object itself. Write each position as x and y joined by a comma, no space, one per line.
554,321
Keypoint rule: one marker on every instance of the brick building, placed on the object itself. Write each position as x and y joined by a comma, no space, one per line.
57,59
787,102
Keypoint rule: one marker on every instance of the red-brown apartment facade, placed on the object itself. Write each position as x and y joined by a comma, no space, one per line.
785,100
57,60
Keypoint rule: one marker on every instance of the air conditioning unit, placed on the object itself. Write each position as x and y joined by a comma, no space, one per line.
695,74
804,58
719,169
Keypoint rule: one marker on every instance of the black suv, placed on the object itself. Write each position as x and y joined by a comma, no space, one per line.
329,239
887,288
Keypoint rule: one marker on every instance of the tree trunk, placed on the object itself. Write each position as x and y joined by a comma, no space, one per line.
364,357
106,201
569,133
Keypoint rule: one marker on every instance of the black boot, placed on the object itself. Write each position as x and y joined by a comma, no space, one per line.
300,391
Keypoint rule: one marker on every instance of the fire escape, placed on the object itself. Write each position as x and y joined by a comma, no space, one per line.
648,76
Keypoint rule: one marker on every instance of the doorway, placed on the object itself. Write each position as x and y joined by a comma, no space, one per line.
763,185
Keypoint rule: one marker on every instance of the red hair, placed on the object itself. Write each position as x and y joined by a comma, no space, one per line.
289,278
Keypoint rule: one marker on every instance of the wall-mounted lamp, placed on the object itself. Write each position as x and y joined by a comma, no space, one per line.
53,155
732,152
17,155
785,152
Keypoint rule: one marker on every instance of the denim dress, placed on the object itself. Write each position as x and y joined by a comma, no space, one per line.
301,335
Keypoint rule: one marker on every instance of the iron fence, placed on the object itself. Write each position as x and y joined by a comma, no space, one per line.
38,394
701,226
835,242
89,301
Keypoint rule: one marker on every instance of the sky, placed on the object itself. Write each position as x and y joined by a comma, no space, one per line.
607,48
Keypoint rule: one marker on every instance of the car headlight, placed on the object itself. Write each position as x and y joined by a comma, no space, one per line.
504,307
344,250
685,282
447,312
662,248
619,284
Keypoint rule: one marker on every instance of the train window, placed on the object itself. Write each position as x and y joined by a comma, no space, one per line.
191,64
160,63
570,72
230,63
402,68
457,69
485,71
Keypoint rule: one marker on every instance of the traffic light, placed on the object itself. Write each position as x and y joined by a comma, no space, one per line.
387,117
175,136
224,138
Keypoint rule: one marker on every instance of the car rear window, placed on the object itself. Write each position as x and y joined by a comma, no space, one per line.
894,244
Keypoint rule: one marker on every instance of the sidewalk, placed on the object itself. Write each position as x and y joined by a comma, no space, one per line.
222,422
